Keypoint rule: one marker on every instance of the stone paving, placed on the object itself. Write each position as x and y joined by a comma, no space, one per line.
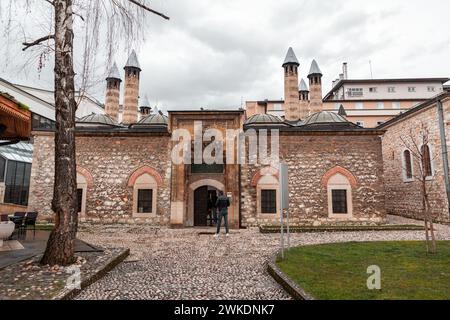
188,264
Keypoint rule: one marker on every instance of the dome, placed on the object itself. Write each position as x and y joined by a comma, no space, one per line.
263,119
325,117
101,119
154,120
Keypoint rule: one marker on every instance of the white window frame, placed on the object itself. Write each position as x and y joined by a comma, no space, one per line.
360,123
359,105
396,105
267,182
82,184
405,178
373,89
431,89
145,182
339,182
391,89
380,105
277,107
411,89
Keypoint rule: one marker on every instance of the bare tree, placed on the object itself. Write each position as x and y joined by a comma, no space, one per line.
119,20
417,144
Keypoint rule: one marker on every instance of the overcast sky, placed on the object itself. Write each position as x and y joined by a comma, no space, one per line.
218,53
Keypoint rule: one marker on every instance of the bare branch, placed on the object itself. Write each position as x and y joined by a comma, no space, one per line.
28,45
143,6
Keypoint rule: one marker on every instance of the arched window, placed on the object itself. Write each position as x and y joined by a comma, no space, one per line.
82,185
407,166
339,183
145,191
268,195
426,161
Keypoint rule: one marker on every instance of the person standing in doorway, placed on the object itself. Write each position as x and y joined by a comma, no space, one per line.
222,205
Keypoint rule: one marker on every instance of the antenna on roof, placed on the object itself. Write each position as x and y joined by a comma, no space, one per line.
371,72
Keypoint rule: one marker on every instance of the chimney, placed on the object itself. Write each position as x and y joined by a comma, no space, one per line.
345,70
113,93
131,99
315,88
341,76
291,87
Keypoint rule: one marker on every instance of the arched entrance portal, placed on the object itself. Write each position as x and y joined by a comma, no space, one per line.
204,198
201,194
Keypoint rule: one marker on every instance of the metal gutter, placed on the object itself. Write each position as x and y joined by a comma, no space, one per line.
444,150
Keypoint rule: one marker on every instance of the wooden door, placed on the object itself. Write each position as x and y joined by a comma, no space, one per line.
201,207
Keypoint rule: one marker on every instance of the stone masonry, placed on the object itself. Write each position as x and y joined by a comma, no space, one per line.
110,160
404,197
310,157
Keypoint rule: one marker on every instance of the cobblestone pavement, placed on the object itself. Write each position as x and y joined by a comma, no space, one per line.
186,264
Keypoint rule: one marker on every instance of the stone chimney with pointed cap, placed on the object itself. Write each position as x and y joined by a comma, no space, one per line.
145,108
303,92
291,95
112,99
131,98
315,88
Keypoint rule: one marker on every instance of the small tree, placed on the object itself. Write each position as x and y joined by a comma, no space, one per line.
417,144
116,19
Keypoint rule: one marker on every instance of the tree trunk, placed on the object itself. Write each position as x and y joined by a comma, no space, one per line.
60,246
425,217
431,224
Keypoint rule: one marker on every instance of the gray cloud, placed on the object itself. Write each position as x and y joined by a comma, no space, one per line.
215,53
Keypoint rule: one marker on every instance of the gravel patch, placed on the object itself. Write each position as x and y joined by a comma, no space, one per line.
190,265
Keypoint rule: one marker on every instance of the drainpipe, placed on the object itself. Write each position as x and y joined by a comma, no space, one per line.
444,149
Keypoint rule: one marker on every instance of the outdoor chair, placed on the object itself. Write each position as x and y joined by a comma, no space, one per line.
18,220
30,220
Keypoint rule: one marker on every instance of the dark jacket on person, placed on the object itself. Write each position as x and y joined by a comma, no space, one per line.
222,204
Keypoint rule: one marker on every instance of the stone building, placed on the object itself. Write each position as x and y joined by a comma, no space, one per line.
402,168
126,172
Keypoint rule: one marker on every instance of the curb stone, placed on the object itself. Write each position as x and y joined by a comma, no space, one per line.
69,294
292,288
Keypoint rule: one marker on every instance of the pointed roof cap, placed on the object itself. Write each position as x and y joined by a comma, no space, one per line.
133,61
342,111
290,58
303,86
114,73
314,69
145,102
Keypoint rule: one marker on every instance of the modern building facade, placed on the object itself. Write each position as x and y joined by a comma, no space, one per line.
367,102
371,102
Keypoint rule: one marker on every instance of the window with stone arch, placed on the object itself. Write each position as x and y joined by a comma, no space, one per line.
267,192
145,183
340,184
84,181
407,166
427,163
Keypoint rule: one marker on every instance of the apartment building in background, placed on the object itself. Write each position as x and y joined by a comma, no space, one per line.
371,102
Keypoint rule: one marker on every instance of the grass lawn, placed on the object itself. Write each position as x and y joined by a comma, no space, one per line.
339,271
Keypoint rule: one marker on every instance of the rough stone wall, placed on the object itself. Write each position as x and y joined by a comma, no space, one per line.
309,158
404,198
111,161
131,96
112,99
